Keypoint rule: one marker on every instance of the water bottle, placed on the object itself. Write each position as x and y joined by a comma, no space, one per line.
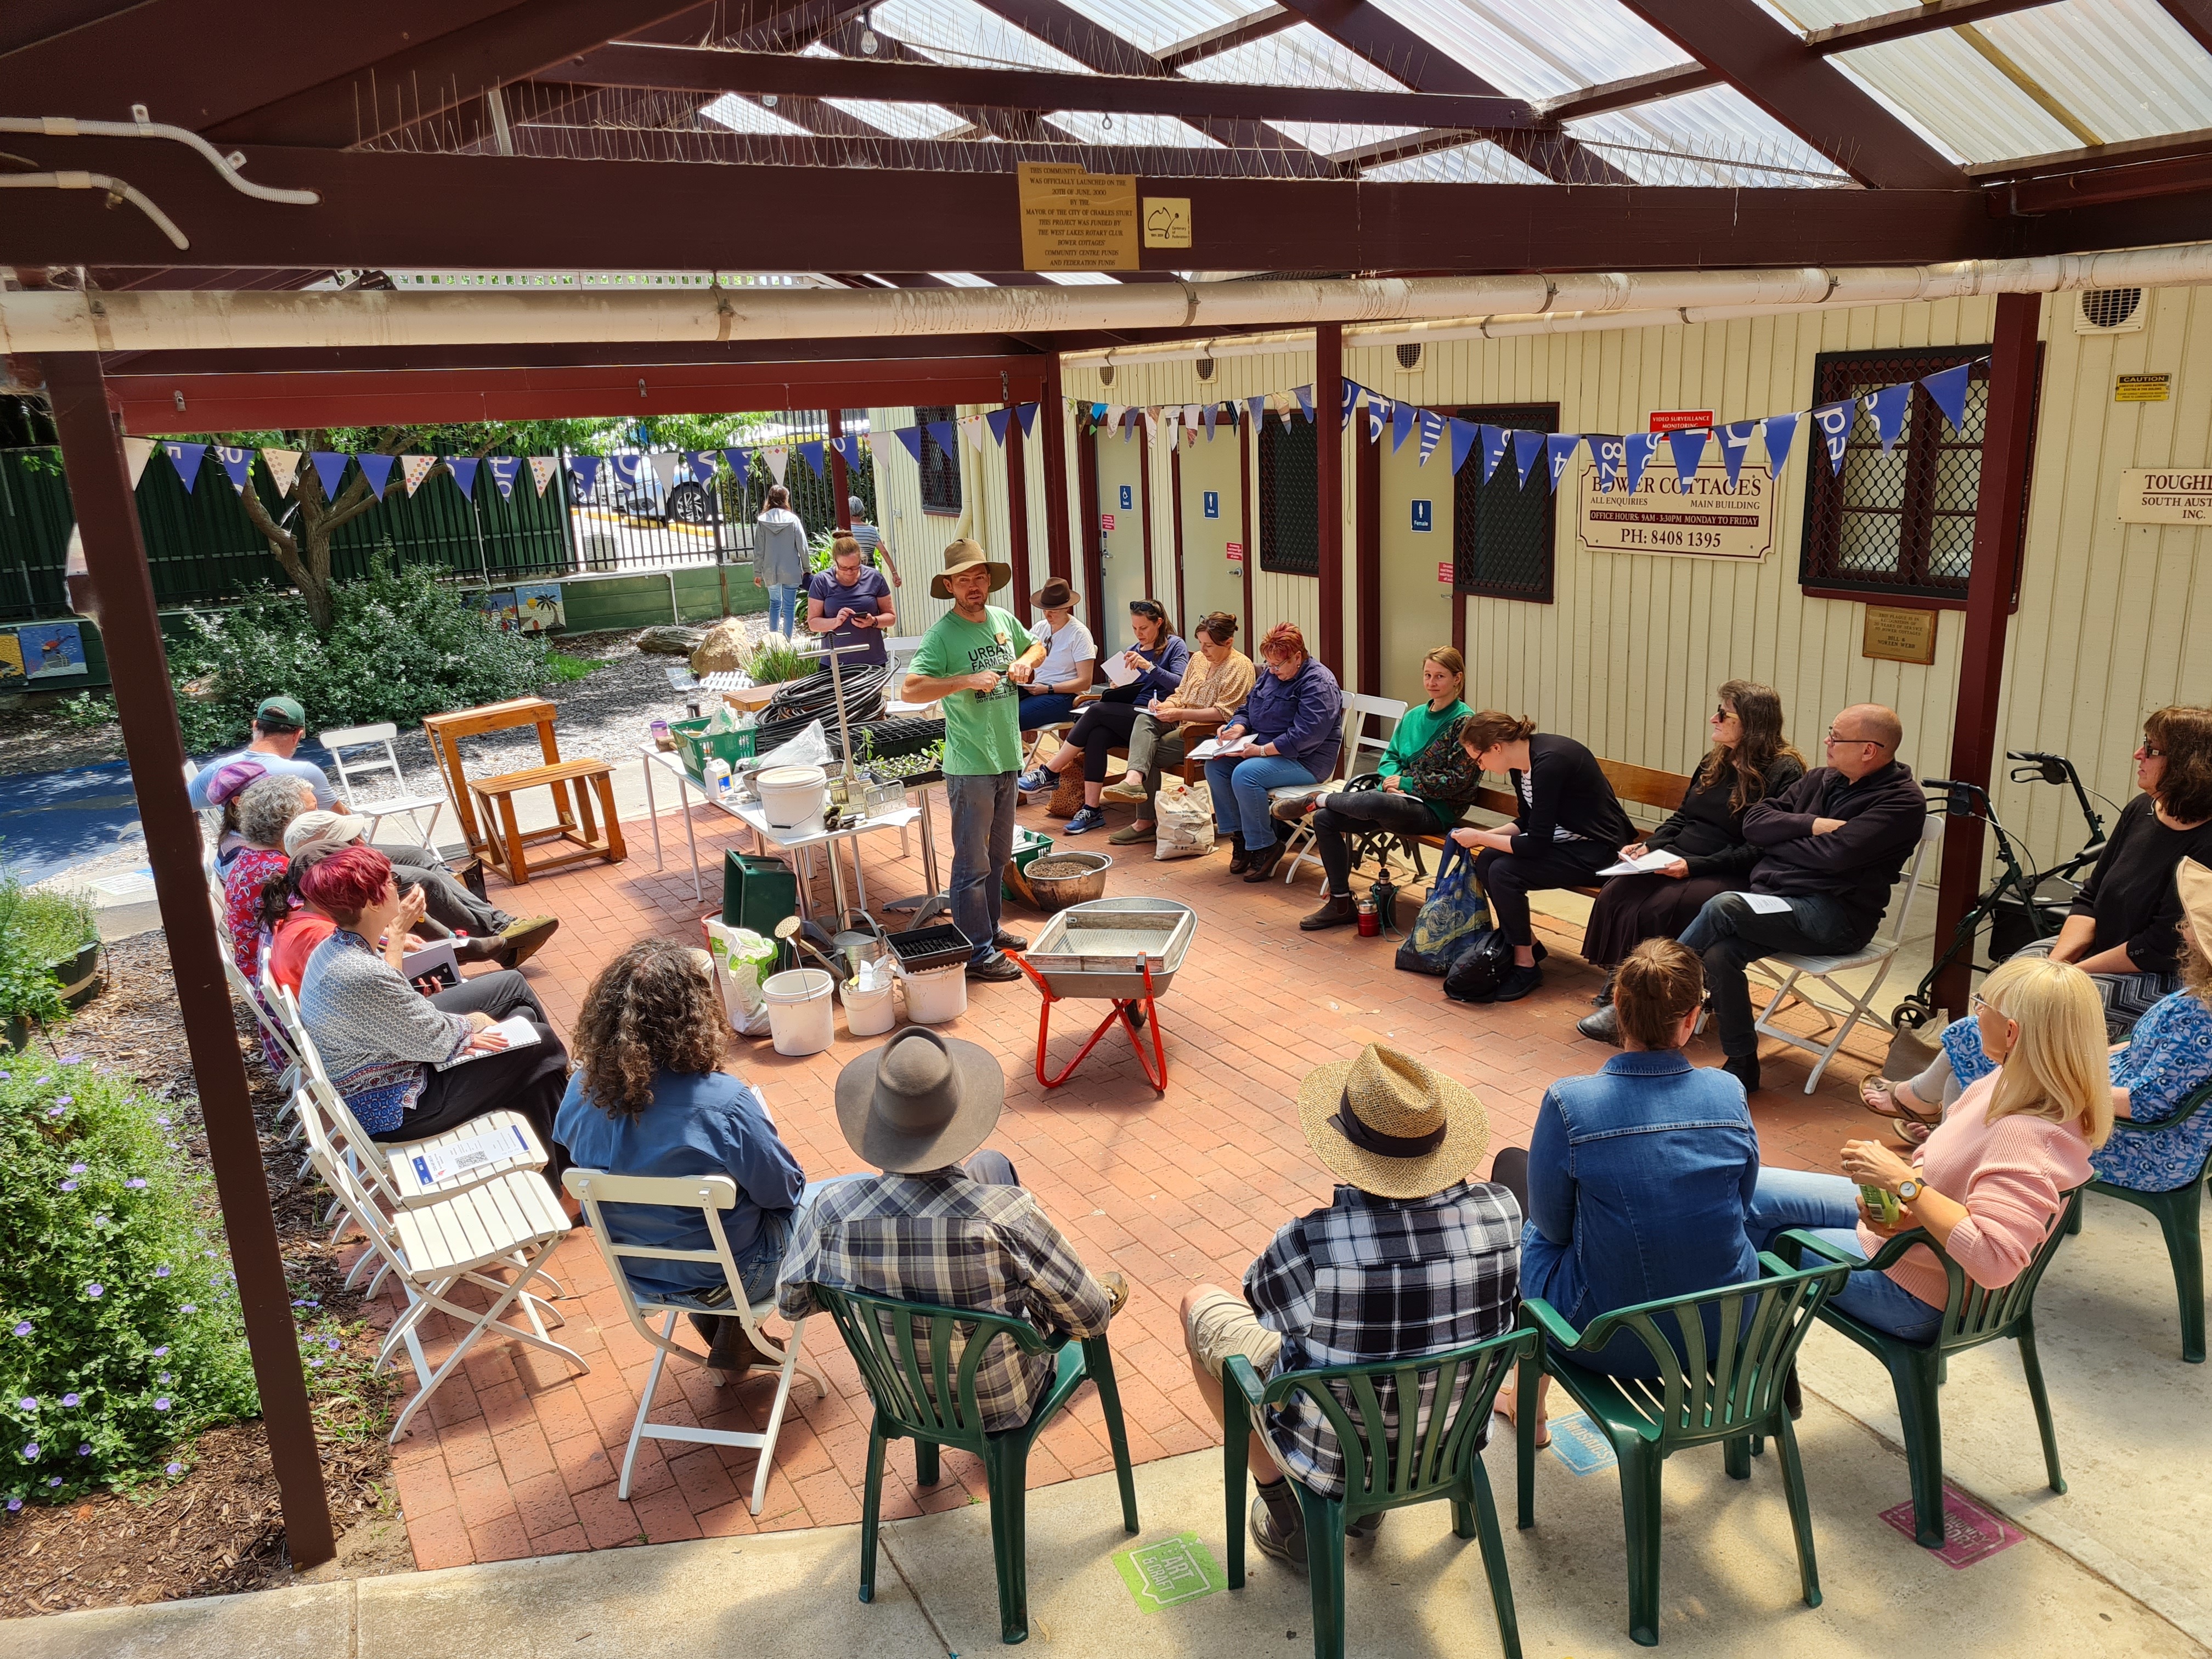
717,777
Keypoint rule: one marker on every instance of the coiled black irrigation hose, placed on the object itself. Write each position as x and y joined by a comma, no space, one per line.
802,701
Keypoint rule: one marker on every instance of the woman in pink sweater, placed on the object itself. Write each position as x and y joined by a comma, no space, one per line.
1989,1184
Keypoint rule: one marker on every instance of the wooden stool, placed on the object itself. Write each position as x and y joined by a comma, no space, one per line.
505,843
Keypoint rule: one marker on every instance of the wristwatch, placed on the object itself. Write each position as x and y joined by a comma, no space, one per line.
1908,1189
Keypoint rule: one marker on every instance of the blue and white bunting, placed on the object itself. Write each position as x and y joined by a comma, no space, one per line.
1304,395
911,437
330,467
1637,451
1735,444
1352,390
942,431
237,465
1689,449
1402,416
1378,416
810,453
464,473
505,469
1779,431
377,469
1949,388
998,420
186,459
1888,406
1027,413
1559,450
702,463
1211,415
584,469
1433,429
1465,434
740,463
1257,410
1526,447
1607,449
1835,423
1494,441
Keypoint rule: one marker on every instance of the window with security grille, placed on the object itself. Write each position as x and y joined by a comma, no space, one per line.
1501,529
1289,499
1899,525
940,467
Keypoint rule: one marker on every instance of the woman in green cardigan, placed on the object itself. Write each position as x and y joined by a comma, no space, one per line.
1392,806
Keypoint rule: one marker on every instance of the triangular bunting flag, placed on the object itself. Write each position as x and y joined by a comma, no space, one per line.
998,420
665,465
1948,389
1304,395
1494,441
1026,413
702,462
1210,415
1463,436
1526,447
1559,450
237,465
139,451
185,457
1888,406
1152,425
1379,413
329,469
1258,406
813,452
1610,453
1433,429
1190,415
505,469
971,428
740,463
1175,418
1780,431
377,469
1636,450
284,466
413,469
464,473
1689,449
911,437
1352,390
1114,415
1098,414
778,456
940,430
1735,444
1402,426
1834,421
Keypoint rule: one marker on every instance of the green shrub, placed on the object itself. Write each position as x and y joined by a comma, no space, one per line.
776,660
401,645
120,1335
38,929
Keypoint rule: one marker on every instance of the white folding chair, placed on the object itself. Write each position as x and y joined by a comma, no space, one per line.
709,1195
510,1225
1356,708
1878,953
902,648
403,805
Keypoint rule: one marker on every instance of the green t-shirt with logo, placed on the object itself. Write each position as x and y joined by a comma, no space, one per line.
982,731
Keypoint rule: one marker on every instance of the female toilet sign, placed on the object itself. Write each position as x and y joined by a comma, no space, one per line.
1424,517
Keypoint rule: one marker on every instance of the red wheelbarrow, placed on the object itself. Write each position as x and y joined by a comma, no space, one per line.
1122,950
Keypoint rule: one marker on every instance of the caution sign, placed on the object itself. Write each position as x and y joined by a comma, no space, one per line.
2142,388
1076,221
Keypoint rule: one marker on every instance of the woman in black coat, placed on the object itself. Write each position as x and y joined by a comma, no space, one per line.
1569,827
1749,761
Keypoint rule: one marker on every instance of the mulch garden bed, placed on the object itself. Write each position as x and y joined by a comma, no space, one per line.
218,1530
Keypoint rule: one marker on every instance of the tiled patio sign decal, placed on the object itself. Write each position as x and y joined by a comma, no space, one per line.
1175,1569
1581,1444
1971,1533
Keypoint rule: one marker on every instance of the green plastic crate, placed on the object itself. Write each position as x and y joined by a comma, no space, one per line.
1028,848
695,748
757,892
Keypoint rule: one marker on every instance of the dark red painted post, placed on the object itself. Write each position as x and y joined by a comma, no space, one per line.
1328,494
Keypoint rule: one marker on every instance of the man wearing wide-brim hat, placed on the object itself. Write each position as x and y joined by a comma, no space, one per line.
971,660
944,1223
1412,1258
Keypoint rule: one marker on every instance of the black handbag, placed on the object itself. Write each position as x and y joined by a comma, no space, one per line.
1479,968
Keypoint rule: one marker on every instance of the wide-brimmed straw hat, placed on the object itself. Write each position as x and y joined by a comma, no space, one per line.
323,829
1390,1125
2194,882
921,1102
966,554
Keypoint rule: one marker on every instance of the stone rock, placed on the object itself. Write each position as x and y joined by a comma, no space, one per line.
723,650
670,640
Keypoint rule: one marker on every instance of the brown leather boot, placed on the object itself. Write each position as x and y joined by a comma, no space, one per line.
1240,861
1336,911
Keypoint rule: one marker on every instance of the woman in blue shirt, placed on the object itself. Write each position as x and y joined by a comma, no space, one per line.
649,1098
1636,1181
1295,721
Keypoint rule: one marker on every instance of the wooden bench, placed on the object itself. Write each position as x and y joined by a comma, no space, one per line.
506,846
1638,785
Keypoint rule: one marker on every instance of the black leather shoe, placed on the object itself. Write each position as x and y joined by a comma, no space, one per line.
1603,1026
1240,859
996,970
1006,941
1262,864
1336,911
1517,983
1744,1068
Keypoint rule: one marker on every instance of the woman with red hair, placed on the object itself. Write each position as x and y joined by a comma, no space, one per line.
1294,719
396,1056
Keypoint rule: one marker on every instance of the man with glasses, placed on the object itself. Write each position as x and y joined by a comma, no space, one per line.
1831,846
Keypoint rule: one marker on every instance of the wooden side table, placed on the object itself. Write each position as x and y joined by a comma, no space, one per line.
445,732
508,848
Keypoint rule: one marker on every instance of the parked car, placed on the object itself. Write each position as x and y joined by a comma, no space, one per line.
630,485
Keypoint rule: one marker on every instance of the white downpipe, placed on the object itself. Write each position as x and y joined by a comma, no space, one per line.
1376,311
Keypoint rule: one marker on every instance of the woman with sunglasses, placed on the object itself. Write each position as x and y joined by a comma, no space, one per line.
1157,663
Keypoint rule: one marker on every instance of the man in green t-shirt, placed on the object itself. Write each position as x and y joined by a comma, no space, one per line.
971,660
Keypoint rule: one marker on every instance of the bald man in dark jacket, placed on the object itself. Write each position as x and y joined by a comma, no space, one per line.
1831,846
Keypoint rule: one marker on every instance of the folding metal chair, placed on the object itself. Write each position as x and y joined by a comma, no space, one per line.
1356,708
403,805
709,1195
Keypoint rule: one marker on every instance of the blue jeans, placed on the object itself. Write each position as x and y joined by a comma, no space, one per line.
1729,934
783,609
1240,794
1827,1206
982,841
1044,708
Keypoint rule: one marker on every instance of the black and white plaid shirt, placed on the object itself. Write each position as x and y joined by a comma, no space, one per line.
944,1238
1371,1279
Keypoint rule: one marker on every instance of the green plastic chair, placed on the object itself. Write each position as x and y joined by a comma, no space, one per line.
1385,1468
918,1363
1730,1392
2177,1212
1972,1315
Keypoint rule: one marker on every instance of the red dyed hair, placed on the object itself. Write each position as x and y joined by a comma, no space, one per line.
347,882
1284,639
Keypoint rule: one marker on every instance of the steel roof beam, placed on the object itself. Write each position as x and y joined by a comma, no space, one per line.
2194,16
1226,37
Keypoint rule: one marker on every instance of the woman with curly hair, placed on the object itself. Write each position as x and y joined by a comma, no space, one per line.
649,1098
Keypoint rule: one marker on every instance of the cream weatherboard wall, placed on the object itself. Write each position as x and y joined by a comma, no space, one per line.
2110,620
919,537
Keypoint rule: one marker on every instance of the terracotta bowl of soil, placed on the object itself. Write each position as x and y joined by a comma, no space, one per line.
1059,880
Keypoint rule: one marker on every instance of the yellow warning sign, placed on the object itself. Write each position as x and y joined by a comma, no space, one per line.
1076,221
1167,221
2142,388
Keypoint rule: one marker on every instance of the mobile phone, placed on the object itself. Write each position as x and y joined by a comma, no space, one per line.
1883,1202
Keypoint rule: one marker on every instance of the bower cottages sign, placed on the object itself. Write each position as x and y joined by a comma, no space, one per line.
1705,517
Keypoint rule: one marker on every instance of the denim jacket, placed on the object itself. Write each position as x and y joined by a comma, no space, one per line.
1643,1173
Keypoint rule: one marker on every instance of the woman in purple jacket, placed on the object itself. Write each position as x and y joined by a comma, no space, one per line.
1295,720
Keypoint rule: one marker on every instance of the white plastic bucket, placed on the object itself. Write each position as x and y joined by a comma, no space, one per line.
790,796
937,996
799,1019
868,1013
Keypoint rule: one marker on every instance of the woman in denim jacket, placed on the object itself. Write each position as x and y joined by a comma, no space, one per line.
1635,1181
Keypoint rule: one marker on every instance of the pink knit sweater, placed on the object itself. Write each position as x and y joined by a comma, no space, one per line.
2008,1174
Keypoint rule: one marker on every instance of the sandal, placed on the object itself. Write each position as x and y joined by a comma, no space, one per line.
1878,1096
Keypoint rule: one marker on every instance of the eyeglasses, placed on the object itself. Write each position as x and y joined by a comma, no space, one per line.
1724,713
2149,753
1978,1005
1834,739
1145,608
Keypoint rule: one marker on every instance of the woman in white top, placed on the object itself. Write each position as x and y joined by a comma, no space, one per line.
1071,656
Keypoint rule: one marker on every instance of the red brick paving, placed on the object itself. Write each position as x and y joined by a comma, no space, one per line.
516,1456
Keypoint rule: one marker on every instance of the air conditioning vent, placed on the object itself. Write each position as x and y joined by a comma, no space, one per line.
1409,356
1106,374
1206,369
2110,311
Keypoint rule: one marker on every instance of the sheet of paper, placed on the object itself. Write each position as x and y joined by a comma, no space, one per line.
515,1028
435,1164
1766,903
1118,670
1241,744
1642,865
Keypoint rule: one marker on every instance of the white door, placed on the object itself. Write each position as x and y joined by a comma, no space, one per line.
1213,507
1417,539
1120,532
